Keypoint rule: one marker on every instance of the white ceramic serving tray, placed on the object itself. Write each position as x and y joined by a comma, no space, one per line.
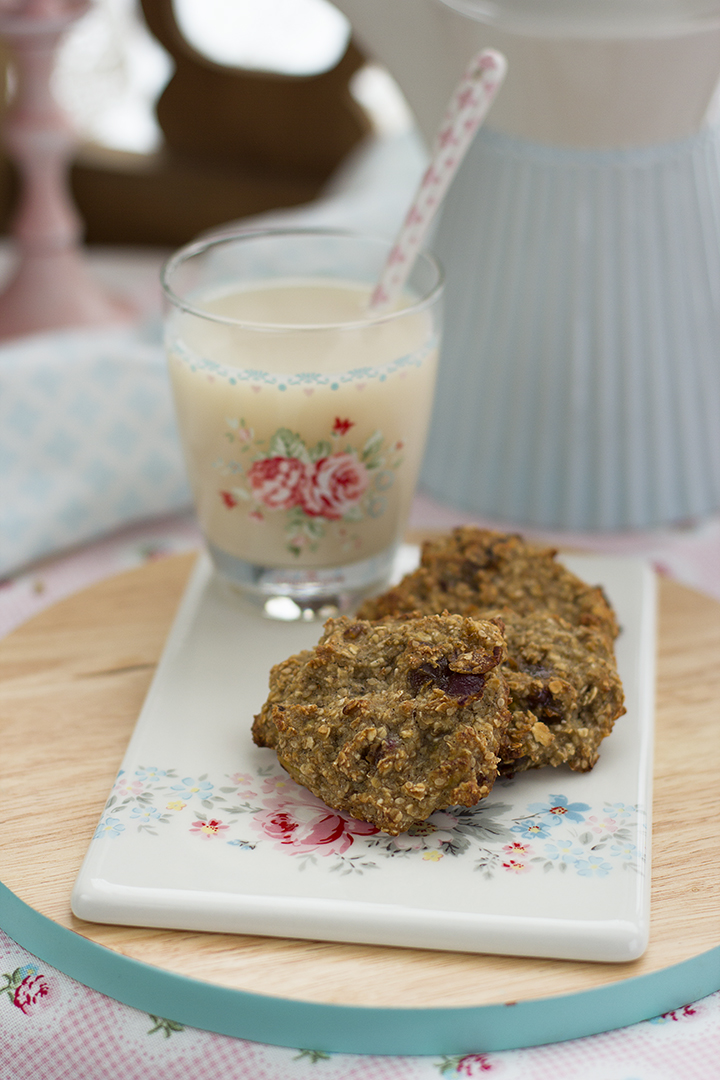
205,831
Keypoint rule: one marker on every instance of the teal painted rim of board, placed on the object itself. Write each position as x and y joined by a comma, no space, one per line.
356,1029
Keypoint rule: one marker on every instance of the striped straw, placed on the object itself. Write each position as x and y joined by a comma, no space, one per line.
465,113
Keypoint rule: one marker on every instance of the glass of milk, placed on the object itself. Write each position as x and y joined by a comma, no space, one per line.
303,417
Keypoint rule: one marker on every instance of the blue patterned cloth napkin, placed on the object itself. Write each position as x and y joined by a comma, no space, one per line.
87,439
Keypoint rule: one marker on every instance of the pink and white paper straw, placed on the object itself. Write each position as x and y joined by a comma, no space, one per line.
465,113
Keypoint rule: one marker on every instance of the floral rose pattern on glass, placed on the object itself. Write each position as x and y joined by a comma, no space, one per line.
244,812
328,482
276,481
335,484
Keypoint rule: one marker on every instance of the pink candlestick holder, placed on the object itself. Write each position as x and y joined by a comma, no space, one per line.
51,287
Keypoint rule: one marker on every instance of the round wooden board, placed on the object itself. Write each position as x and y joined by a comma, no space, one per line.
72,682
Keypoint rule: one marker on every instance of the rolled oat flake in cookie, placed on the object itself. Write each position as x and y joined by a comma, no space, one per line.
391,721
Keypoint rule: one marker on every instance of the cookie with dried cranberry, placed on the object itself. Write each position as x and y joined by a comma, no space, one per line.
565,693
392,721
472,570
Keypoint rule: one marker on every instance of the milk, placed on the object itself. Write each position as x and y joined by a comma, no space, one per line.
304,427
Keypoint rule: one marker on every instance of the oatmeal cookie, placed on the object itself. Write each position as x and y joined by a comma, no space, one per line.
264,731
392,721
472,570
565,693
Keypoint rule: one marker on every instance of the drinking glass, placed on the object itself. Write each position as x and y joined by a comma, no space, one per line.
303,415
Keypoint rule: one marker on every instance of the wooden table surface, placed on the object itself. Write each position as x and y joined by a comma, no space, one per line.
72,682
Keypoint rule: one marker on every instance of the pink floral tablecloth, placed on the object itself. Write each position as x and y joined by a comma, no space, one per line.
53,1028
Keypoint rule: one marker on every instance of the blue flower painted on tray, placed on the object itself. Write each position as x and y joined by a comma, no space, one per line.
150,773
531,829
626,850
592,867
558,809
111,826
144,813
189,787
567,851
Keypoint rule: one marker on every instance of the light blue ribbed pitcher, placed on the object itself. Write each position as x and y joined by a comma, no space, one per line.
580,380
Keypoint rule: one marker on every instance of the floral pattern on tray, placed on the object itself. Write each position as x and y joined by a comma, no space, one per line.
243,811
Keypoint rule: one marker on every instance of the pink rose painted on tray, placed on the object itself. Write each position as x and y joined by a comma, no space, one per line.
555,835
312,485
